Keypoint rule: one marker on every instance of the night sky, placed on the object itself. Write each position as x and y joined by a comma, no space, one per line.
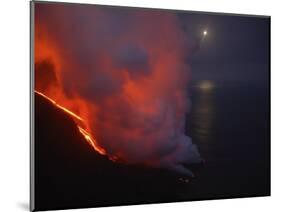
236,48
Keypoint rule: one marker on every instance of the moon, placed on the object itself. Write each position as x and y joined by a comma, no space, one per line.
205,32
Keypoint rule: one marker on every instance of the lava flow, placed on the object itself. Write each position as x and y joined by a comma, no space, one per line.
89,138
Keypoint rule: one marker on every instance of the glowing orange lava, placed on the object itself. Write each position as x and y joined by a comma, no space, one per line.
59,106
89,138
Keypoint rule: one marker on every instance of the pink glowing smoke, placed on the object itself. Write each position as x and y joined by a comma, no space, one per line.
125,72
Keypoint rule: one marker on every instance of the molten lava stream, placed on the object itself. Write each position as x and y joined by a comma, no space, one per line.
89,138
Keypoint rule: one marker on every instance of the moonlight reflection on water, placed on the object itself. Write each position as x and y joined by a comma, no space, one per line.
203,115
205,85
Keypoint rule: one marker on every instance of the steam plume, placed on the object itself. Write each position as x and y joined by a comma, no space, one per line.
124,72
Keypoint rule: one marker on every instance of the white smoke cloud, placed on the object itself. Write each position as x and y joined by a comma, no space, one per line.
128,67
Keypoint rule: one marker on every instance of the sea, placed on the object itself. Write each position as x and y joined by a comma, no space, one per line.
230,124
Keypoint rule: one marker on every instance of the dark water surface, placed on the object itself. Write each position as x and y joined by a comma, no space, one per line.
230,125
